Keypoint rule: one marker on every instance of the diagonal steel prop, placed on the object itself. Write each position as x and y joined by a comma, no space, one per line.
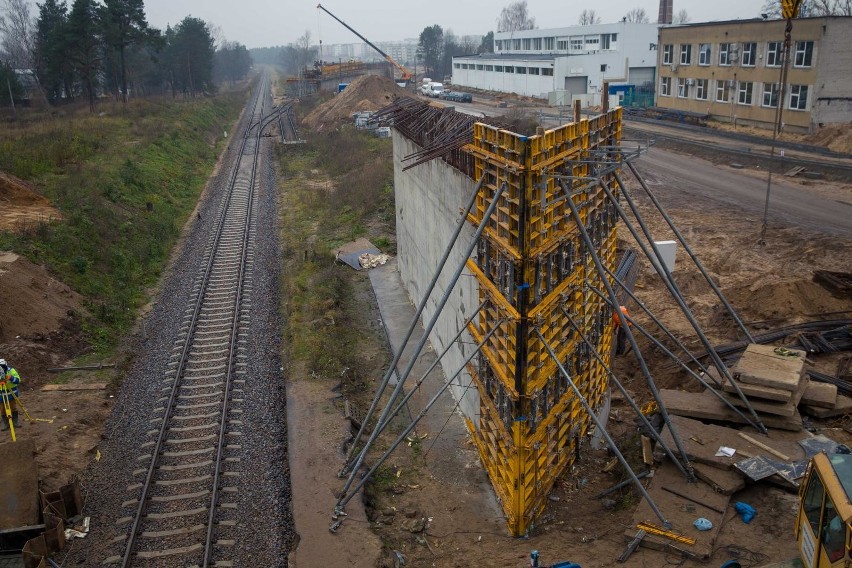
346,497
602,430
627,397
691,254
425,338
668,280
414,321
683,365
649,380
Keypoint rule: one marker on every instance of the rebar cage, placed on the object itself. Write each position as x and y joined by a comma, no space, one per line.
535,274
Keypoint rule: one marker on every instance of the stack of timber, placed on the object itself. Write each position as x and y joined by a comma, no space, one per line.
775,384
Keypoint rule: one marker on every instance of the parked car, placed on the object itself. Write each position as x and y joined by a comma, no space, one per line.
457,96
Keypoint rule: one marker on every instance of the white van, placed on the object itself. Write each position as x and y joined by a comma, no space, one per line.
434,90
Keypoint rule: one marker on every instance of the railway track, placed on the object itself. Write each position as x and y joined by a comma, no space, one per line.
183,510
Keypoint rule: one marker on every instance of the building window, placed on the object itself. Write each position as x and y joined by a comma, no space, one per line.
682,88
668,50
489,68
464,65
562,45
576,44
723,94
686,54
774,54
498,45
666,86
498,68
593,42
537,44
724,54
521,70
548,43
798,97
457,65
701,89
527,44
770,95
479,67
547,71
749,55
533,70
509,69
744,95
704,54
804,54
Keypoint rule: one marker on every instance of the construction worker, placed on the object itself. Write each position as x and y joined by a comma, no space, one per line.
620,335
9,382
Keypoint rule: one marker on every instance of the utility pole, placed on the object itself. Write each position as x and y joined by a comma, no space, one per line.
11,96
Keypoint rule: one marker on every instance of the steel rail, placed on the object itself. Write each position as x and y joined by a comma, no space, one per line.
184,356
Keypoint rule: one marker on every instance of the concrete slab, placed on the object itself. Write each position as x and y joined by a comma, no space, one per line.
772,407
19,480
705,406
703,502
724,481
822,395
760,365
751,391
843,406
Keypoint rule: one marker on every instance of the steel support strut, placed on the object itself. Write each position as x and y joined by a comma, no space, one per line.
423,340
602,429
691,254
637,353
414,321
668,280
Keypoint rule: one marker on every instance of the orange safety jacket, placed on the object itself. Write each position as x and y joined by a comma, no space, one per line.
617,320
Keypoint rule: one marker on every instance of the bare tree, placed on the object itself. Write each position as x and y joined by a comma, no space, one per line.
682,17
515,17
588,18
17,33
637,15
218,35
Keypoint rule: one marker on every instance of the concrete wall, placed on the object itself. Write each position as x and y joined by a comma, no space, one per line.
429,199
833,89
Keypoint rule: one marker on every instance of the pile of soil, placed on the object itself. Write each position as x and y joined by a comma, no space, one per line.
21,205
788,299
837,138
366,93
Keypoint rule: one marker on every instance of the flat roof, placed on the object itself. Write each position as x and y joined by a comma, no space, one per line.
750,21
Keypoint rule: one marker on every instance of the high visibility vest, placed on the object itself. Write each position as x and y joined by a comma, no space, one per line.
12,380
617,320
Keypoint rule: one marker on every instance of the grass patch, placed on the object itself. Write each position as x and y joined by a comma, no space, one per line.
125,180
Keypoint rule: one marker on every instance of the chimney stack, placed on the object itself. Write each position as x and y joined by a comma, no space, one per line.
666,12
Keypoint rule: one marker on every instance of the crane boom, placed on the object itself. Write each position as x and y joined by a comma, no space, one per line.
406,74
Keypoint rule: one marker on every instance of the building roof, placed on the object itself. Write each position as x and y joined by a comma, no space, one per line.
514,56
774,21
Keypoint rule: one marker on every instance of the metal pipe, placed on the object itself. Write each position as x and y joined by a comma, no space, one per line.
668,280
637,353
412,326
691,254
627,397
683,365
425,337
346,498
601,428
446,350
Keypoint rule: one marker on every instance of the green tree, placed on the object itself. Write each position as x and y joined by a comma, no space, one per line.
232,62
189,54
84,45
432,44
124,25
53,68
487,44
9,82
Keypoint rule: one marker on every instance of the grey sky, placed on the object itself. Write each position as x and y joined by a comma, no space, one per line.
259,23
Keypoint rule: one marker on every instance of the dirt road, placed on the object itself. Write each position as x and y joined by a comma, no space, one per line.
671,174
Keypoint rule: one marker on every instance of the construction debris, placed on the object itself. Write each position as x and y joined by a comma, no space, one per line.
366,93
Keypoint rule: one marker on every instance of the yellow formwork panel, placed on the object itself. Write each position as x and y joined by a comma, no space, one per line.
533,273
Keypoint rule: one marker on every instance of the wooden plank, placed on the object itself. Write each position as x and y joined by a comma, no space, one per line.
763,446
647,451
822,395
792,172
705,406
631,547
75,387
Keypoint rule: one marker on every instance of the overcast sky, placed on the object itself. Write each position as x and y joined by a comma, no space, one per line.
259,23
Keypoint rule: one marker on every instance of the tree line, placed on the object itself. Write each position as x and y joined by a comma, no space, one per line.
90,49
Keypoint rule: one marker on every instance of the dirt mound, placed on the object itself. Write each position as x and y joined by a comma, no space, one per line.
34,303
366,93
787,299
14,191
837,138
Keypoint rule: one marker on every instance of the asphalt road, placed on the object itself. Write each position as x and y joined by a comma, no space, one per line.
677,176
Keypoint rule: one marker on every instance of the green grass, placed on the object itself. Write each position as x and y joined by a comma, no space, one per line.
124,182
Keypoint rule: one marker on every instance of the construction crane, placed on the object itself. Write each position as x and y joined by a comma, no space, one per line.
405,73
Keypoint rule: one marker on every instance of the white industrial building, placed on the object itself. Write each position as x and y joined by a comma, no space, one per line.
563,64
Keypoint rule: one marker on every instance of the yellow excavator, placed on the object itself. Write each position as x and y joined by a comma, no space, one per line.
824,520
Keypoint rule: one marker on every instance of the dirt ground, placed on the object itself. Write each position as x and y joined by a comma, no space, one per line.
22,206
366,93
